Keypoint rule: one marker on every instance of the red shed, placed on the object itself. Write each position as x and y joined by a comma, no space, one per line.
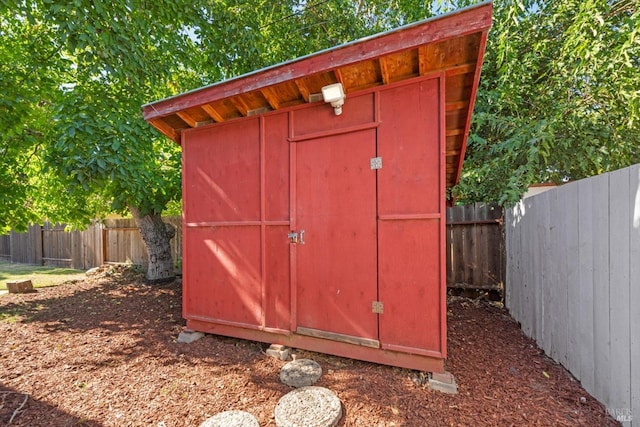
325,231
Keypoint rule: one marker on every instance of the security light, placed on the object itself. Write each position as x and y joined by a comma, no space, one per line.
334,94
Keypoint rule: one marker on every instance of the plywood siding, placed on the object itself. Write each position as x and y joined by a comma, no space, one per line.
574,282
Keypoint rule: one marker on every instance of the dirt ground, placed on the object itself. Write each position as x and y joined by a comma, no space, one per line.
103,352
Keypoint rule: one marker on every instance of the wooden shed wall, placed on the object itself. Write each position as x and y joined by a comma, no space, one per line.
248,183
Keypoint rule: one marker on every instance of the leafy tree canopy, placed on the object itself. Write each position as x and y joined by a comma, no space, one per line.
559,97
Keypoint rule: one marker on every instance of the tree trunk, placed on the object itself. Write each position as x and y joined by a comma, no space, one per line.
156,235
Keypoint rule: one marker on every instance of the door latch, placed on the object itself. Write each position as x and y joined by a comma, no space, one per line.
296,237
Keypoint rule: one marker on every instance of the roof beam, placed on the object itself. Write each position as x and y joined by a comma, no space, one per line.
384,70
240,105
454,132
187,118
163,127
458,105
271,95
302,87
213,113
464,22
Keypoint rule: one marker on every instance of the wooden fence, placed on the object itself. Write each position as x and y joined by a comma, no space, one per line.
121,241
5,247
475,248
114,241
573,270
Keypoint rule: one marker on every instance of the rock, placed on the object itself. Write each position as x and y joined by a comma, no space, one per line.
231,419
188,336
279,351
300,373
93,271
444,382
20,286
308,406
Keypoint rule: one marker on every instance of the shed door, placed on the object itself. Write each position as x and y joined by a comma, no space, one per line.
335,200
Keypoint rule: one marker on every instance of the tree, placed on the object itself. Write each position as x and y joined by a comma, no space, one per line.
558,98
101,61
23,118
74,145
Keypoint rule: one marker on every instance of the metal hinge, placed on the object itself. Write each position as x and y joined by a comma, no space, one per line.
377,307
375,163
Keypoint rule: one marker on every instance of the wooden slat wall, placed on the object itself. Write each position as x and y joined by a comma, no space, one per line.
56,246
573,268
117,241
475,247
124,243
26,247
5,247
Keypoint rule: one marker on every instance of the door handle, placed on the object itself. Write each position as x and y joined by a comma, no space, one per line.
296,237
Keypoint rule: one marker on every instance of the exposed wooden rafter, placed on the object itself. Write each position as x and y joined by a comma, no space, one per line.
451,46
213,113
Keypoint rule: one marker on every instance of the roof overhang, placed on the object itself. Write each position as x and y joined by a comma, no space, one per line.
451,44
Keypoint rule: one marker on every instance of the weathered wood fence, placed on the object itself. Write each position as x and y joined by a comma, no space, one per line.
475,248
573,270
113,241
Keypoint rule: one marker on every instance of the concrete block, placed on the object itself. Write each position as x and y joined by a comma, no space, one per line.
20,286
444,382
188,336
279,351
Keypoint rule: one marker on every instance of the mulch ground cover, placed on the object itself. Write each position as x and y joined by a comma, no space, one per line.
103,352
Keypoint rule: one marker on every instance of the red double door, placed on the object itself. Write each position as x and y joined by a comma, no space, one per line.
370,271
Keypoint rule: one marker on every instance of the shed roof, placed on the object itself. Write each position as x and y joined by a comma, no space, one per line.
452,44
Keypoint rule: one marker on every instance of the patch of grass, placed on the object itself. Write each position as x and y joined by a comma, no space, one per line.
40,276
9,317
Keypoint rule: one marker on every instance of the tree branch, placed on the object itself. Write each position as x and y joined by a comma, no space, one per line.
24,402
26,397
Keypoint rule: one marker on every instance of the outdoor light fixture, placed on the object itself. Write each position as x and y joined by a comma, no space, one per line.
334,94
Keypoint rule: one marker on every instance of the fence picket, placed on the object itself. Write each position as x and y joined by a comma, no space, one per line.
581,256
50,245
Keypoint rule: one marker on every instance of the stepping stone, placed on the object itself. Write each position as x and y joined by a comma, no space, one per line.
308,406
231,419
300,373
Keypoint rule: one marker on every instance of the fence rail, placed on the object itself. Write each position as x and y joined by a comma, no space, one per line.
114,241
475,246
574,282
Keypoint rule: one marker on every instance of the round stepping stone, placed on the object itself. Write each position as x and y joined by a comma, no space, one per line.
231,419
308,406
300,373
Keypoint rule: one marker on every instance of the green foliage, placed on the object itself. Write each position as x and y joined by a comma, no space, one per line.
559,97
26,109
101,62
